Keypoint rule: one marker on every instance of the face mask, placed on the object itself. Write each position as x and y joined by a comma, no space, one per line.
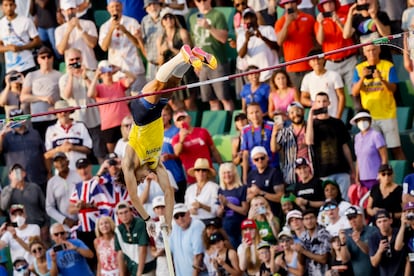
20,221
363,125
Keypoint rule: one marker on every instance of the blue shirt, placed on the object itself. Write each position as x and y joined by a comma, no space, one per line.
260,96
173,165
133,8
408,184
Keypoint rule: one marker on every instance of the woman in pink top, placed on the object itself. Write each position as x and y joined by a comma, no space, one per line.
111,114
105,247
282,93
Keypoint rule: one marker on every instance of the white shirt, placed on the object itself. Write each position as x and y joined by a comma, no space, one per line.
341,224
15,248
182,12
120,147
207,196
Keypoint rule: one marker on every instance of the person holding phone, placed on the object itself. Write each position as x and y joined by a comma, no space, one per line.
10,96
267,224
247,251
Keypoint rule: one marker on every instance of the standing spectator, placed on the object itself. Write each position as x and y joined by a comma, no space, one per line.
240,121
109,90
77,33
266,10
257,44
10,96
158,248
82,7
357,241
382,247
247,251
67,136
329,138
394,10
290,260
120,145
295,35
375,80
294,223
18,37
133,249
407,25
191,143
22,144
337,223
339,262
68,256
209,31
405,236
186,243
73,86
290,140
41,90
322,80
27,194
150,31
370,150
59,189
201,197
266,222
105,247
118,37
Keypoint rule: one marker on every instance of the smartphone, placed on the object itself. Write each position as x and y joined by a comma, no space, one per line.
321,110
14,78
12,224
185,125
18,174
363,7
59,247
115,16
200,15
327,14
372,68
290,10
261,210
278,119
71,15
248,237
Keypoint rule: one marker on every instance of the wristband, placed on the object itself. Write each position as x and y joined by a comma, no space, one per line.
148,218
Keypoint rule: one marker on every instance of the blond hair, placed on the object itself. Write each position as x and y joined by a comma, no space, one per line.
111,223
236,177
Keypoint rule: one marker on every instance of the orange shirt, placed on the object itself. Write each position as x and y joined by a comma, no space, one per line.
333,38
299,40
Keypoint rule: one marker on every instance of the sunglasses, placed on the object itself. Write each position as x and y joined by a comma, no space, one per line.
35,250
59,234
199,1
75,58
179,215
329,207
45,57
285,240
261,158
201,170
386,173
22,268
168,16
243,4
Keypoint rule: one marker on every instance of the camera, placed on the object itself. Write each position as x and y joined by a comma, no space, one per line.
76,65
327,14
106,69
112,162
14,77
290,10
200,15
321,110
387,252
115,16
410,216
12,224
363,7
71,15
59,247
251,31
372,68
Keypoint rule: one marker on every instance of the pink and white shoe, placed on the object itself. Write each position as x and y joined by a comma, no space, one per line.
206,58
190,58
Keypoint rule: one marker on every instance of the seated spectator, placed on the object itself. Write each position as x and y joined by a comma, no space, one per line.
339,263
386,195
226,260
290,260
255,91
38,250
294,223
201,197
266,254
240,121
21,267
68,256
17,234
308,191
247,251
370,150
287,202
266,223
105,246
233,205
337,223
10,96
332,192
120,145
282,94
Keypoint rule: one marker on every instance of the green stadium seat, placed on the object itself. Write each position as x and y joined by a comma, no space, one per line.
4,176
347,115
62,67
223,145
405,117
233,130
95,169
216,122
400,168
195,117
407,144
101,16
398,61
406,91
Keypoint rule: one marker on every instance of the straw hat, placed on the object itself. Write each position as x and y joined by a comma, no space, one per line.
201,163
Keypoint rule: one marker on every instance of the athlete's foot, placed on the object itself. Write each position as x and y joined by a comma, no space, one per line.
190,58
206,58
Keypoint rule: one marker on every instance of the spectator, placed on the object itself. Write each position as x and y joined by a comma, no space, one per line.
41,90
185,242
67,256
266,254
257,44
287,203
290,260
394,10
339,262
38,251
150,29
282,94
290,140
77,33
179,9
10,96
295,35
171,161
240,121
28,194
17,237
329,138
73,86
370,150
191,143
386,195
357,241
404,239
382,250
257,133
59,189
294,223
247,251
105,246
82,7
201,197
322,80
329,34
375,80
266,223
265,9
308,191
226,260
18,37
133,250
209,31
233,205
158,248
408,182
265,181
16,148
126,124
406,25
315,245
119,37
21,267
67,136
110,90
337,223
255,91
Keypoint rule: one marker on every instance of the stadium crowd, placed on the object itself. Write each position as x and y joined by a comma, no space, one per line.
308,190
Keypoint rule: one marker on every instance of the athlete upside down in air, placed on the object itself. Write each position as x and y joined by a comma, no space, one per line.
142,154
